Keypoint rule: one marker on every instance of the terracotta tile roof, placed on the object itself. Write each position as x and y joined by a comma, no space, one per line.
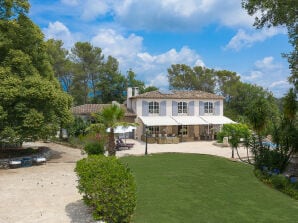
88,109
179,95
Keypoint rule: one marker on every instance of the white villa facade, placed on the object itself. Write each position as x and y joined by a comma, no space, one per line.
186,115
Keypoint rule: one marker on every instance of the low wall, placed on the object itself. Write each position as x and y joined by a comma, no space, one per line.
44,152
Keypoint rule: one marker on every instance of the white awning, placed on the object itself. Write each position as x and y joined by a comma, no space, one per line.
189,120
217,120
158,120
123,129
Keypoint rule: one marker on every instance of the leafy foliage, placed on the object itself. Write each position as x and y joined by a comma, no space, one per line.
12,8
88,61
111,83
279,182
109,117
77,127
270,158
243,101
235,132
108,187
278,13
183,77
32,105
62,65
94,148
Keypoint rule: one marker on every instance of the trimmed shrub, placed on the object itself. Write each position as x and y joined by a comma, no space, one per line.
94,148
107,186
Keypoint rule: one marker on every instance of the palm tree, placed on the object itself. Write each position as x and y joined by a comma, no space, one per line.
109,117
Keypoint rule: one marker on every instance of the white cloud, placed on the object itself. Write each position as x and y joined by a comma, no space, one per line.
163,15
269,74
117,45
267,63
243,39
279,83
255,74
186,56
180,15
94,8
130,53
161,80
57,30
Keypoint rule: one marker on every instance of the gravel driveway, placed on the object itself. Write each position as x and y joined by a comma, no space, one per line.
45,193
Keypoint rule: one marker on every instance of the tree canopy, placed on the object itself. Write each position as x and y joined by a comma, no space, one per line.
32,104
278,13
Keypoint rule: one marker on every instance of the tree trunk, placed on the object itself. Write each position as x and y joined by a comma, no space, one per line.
111,145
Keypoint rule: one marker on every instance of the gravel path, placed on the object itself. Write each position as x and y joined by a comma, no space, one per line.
45,193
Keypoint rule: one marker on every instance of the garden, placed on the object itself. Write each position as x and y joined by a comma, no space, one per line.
203,188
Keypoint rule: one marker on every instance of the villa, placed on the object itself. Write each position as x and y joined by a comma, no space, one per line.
184,115
168,117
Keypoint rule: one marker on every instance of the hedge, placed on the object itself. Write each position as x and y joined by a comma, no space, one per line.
107,186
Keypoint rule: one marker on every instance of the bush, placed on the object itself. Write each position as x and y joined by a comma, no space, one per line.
108,187
94,148
278,182
273,159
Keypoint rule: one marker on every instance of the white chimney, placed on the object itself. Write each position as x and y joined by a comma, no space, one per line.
129,95
136,93
129,92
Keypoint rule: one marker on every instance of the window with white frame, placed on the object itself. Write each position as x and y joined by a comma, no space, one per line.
182,108
153,107
183,130
208,107
153,130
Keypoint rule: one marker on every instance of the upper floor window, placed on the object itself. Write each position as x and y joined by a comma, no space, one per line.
153,107
208,107
182,108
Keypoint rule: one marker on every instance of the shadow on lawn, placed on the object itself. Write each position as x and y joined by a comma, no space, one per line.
78,212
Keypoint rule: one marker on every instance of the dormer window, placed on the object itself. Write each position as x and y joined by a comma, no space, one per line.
153,107
182,108
208,108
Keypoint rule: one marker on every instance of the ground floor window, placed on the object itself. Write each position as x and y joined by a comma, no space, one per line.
182,129
153,130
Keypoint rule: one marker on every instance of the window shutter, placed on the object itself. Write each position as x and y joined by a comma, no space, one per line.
145,108
191,108
201,108
174,108
163,109
217,108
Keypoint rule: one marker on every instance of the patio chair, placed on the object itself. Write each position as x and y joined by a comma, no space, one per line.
121,141
121,146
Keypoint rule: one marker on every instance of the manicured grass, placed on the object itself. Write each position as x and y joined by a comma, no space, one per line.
199,188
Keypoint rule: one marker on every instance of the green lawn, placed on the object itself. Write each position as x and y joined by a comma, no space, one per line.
199,188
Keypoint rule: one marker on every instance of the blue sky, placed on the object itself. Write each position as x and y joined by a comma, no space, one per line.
150,35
